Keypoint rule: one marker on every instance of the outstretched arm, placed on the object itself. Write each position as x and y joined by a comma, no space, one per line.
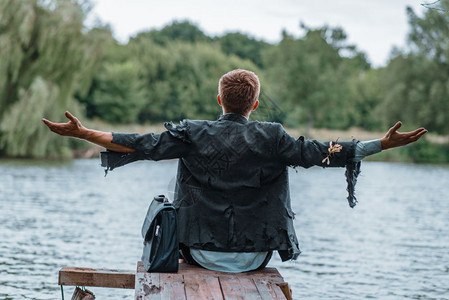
394,138
74,128
307,153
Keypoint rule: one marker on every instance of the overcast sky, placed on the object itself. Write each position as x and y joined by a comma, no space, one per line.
373,26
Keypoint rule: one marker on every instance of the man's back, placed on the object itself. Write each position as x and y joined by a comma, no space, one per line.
232,188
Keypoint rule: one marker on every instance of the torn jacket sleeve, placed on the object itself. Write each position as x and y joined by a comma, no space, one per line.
172,143
307,153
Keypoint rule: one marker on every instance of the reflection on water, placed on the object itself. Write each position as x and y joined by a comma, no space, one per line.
394,244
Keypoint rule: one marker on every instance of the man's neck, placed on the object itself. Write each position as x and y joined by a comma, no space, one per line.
230,112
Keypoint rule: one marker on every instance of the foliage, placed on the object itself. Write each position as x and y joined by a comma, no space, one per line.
243,46
429,34
425,152
365,95
119,95
417,83
160,83
312,76
51,62
45,58
184,31
422,152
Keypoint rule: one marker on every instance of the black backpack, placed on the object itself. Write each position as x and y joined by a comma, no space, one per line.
159,231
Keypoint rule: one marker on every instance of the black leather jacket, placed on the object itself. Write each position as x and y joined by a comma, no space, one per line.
232,189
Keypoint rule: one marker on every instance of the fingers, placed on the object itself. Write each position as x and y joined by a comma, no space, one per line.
47,122
71,117
414,135
52,126
395,127
50,123
416,131
418,134
67,114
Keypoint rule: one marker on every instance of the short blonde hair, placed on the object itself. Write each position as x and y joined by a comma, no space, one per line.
239,90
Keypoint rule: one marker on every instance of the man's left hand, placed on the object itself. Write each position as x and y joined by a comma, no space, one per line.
393,138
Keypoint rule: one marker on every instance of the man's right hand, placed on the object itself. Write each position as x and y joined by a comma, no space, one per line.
72,128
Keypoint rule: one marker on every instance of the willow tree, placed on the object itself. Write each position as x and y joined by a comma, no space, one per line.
46,57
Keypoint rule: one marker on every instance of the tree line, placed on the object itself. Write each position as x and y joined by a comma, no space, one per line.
51,62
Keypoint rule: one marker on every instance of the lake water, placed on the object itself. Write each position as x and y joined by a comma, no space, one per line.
393,245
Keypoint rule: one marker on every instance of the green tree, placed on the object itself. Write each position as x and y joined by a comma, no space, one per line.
417,83
311,76
416,91
243,46
429,34
46,56
365,95
119,95
181,78
176,31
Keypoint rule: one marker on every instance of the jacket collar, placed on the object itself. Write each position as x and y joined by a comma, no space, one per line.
234,118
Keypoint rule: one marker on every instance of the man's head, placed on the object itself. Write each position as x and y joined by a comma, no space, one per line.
238,92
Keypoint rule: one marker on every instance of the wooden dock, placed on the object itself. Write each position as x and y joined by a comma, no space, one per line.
189,283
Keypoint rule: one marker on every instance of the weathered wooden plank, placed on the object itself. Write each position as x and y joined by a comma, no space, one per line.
202,287
147,286
158,285
268,273
187,269
193,282
285,287
189,283
172,286
268,290
236,287
96,277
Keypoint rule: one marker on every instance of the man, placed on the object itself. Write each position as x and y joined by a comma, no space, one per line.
232,194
